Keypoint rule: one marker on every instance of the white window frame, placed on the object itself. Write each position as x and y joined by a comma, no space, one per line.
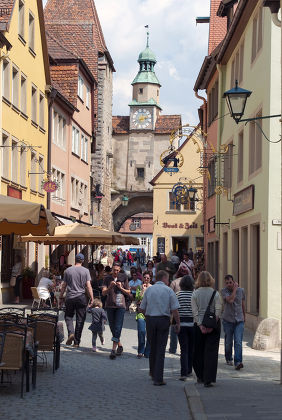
80,86
15,86
21,27
75,140
87,101
41,110
23,94
34,104
6,79
5,167
31,31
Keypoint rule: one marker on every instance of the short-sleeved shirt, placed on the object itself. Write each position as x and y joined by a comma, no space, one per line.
76,278
159,300
233,312
135,283
112,300
43,287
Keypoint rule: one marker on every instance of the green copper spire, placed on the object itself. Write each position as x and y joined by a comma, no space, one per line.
147,61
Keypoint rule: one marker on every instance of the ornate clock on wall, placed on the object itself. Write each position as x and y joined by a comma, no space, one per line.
142,119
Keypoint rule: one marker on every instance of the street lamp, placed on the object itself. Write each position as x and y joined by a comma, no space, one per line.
124,200
236,99
192,193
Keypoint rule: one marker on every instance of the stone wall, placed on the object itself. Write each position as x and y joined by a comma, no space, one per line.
102,158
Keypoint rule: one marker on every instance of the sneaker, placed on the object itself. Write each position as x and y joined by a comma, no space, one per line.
229,362
113,355
239,366
94,348
139,356
119,350
183,378
208,385
70,339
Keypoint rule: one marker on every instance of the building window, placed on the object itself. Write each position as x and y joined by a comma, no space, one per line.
31,32
6,79
213,103
257,34
75,140
240,172
237,66
141,173
59,130
59,195
14,168
86,199
15,87
228,166
212,177
255,145
41,110
84,148
80,87
87,97
23,166
34,104
73,196
33,171
23,94
143,241
137,222
141,91
5,156
21,19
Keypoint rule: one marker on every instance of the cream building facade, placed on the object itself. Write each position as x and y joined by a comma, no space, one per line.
178,227
250,242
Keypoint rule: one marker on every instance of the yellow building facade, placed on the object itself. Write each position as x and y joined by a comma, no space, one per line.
24,117
178,227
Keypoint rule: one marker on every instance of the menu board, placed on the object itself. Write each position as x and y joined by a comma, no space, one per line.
161,245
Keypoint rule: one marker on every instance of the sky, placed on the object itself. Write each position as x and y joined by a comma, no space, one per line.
179,44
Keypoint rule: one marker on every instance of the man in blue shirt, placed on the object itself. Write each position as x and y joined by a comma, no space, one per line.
158,302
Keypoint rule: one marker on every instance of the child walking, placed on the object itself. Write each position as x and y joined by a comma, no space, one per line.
99,318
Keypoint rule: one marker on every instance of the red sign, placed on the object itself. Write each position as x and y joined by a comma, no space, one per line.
180,226
50,186
13,192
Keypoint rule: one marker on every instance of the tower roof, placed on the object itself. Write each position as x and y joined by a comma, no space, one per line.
147,61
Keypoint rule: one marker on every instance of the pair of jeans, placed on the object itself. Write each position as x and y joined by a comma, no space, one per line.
186,341
94,337
157,333
115,318
173,340
76,306
233,331
141,328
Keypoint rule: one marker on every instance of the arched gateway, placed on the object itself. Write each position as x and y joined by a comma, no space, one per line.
137,203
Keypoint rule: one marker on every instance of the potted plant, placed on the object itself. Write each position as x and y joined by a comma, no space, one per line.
28,282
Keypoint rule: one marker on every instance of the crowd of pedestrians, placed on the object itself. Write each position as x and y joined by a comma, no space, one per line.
167,298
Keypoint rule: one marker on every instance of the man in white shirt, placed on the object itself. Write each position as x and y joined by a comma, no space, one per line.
159,301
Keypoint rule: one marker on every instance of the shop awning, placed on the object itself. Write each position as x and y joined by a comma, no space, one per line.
80,234
23,217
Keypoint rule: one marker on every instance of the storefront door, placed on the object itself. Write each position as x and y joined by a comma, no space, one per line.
180,245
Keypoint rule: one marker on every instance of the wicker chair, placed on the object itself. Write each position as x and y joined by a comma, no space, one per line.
46,335
14,352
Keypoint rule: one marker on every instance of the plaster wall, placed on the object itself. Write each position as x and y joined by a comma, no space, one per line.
266,180
149,91
16,125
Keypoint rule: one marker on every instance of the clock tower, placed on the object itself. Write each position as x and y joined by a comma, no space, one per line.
144,107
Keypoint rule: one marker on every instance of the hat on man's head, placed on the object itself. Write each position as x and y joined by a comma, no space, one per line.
79,257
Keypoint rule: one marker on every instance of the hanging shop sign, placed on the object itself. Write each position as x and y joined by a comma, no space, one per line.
50,186
243,200
180,193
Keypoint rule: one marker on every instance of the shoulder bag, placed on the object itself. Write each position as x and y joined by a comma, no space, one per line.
209,320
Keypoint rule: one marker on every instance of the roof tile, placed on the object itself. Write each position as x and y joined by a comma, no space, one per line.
64,79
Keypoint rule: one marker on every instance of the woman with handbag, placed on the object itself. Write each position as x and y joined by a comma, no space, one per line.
206,307
16,277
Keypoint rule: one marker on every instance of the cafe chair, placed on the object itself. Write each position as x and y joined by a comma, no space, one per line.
46,336
13,310
37,299
2,341
14,353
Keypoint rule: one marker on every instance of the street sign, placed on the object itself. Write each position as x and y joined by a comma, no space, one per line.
171,169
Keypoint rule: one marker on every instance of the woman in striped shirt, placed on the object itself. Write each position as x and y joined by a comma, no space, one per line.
186,334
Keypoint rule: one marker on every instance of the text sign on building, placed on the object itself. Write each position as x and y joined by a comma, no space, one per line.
180,226
161,245
243,200
211,224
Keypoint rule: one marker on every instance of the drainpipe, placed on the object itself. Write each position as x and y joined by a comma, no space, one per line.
52,95
205,129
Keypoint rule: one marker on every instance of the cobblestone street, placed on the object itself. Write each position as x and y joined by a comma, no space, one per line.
90,385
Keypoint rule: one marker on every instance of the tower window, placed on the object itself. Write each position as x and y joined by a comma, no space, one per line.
140,173
158,92
141,90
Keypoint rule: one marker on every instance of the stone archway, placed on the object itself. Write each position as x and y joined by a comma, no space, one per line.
138,203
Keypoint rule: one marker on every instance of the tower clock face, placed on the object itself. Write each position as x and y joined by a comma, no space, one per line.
142,118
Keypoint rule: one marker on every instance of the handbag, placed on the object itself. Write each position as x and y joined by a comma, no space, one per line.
13,281
209,320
